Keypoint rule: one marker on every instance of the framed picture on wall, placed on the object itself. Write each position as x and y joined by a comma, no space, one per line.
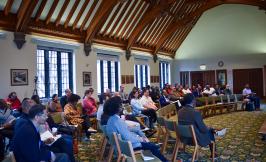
19,77
86,78
221,76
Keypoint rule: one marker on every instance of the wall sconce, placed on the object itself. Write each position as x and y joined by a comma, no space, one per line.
203,67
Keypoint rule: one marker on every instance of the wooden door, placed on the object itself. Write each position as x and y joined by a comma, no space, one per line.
196,77
209,78
253,77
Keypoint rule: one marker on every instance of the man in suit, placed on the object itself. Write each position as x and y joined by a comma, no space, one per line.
27,143
64,99
189,116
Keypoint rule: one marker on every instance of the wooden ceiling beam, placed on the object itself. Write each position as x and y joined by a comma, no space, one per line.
112,19
153,12
119,18
40,10
124,23
51,11
88,15
8,7
73,9
62,11
99,18
25,12
81,11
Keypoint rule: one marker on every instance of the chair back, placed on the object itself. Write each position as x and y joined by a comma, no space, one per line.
126,148
187,132
170,125
160,121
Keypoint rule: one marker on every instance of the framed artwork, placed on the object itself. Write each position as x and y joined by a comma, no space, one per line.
86,78
19,77
221,76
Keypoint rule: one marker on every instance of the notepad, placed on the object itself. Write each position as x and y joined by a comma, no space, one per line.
147,155
48,134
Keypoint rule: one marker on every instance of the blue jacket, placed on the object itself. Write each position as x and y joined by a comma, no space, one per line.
117,125
163,101
28,146
189,116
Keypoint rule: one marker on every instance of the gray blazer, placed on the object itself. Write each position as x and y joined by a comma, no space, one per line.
189,116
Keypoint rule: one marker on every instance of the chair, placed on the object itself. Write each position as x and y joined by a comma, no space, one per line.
161,130
171,127
187,132
129,154
105,140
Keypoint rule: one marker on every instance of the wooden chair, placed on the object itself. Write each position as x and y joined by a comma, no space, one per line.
129,154
187,132
111,150
171,127
161,131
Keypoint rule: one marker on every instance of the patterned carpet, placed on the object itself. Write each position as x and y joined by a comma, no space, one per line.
241,143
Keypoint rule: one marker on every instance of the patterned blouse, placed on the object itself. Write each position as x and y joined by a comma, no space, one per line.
72,114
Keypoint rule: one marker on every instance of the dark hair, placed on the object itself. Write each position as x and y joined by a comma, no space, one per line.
3,104
53,96
90,90
132,93
36,110
188,98
73,98
36,98
110,108
11,94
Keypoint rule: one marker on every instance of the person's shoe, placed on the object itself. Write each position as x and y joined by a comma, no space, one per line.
91,130
221,132
92,139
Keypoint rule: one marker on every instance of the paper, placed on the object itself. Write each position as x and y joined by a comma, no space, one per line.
48,134
147,155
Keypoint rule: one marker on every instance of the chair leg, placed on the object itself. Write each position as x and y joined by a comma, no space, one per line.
110,154
213,151
194,154
103,146
175,151
164,143
118,158
159,135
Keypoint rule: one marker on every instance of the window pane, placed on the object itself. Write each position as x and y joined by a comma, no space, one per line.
64,71
53,81
40,73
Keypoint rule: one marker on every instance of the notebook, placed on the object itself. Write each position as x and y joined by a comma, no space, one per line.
147,155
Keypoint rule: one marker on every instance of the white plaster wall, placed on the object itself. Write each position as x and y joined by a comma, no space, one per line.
25,58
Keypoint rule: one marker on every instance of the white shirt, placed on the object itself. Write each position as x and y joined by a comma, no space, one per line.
186,91
210,92
146,100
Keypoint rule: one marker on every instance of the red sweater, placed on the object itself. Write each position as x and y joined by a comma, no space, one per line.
89,105
14,103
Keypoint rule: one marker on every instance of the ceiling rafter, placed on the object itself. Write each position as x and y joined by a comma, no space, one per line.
88,15
152,13
8,7
73,9
40,10
132,26
118,19
62,11
24,14
189,17
80,13
129,18
112,19
51,11
100,17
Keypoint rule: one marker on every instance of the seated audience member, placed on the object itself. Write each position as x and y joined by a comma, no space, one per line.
54,105
155,93
164,99
36,99
248,94
7,121
227,90
208,91
27,144
179,91
139,110
74,117
123,94
64,99
186,90
218,90
14,103
195,91
115,124
146,100
189,116
89,104
105,96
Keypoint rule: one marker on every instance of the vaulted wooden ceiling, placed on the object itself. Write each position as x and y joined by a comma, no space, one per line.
149,25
